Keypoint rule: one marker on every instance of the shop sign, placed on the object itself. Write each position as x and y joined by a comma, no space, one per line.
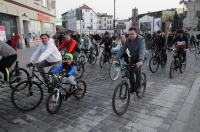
43,17
2,33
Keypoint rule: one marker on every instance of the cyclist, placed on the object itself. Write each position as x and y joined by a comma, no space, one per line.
107,41
69,43
70,69
46,55
181,43
9,56
135,44
160,41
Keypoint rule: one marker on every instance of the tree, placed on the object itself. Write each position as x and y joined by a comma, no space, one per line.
177,22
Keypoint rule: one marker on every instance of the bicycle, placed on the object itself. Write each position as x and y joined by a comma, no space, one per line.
14,76
31,89
122,91
176,63
87,57
156,60
60,93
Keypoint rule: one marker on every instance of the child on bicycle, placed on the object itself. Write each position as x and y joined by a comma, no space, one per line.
70,69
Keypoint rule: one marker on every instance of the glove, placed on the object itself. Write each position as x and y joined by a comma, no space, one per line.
29,65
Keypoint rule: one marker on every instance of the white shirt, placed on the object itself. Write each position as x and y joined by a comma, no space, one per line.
48,52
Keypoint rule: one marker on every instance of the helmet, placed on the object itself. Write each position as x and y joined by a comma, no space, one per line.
68,55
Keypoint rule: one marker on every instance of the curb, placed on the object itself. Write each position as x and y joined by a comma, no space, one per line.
183,115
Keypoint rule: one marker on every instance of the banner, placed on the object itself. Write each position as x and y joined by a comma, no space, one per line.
157,24
2,33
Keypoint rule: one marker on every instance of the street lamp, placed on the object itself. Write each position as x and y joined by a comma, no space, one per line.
114,17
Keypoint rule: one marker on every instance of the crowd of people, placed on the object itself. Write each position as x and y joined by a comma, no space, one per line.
131,47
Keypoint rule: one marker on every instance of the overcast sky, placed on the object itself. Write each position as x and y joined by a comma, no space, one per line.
123,7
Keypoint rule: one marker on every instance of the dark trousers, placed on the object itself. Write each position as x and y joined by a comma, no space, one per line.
137,73
182,52
6,62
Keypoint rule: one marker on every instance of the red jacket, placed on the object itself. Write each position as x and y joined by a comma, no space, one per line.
69,45
14,41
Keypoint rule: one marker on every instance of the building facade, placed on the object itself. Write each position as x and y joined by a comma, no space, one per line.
28,18
85,20
192,20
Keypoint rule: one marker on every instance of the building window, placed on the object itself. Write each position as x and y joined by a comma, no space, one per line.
99,27
105,19
107,22
83,26
91,20
82,14
104,24
91,27
44,3
100,22
91,14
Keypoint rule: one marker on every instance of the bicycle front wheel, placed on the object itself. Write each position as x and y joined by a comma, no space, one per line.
80,69
197,53
121,98
172,69
114,72
154,64
102,60
18,75
54,102
27,95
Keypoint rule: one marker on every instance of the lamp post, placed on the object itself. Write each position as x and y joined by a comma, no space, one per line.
114,18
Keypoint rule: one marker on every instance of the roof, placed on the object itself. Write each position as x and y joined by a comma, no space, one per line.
84,6
103,15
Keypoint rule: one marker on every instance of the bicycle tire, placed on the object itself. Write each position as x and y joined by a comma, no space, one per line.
143,85
94,59
80,70
77,95
171,71
49,101
29,86
117,72
16,78
102,59
154,61
126,96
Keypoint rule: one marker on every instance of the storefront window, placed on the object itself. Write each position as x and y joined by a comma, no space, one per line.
10,24
34,30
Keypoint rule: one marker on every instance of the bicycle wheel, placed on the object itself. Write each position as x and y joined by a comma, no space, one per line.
172,69
154,64
27,95
143,86
80,89
121,98
80,69
18,75
94,59
54,102
182,67
114,72
82,59
102,60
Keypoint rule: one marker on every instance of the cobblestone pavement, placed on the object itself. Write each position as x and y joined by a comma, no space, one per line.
155,112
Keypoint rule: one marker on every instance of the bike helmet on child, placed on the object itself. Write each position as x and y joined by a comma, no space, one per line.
69,56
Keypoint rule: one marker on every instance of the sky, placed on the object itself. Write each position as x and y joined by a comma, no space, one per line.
123,7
